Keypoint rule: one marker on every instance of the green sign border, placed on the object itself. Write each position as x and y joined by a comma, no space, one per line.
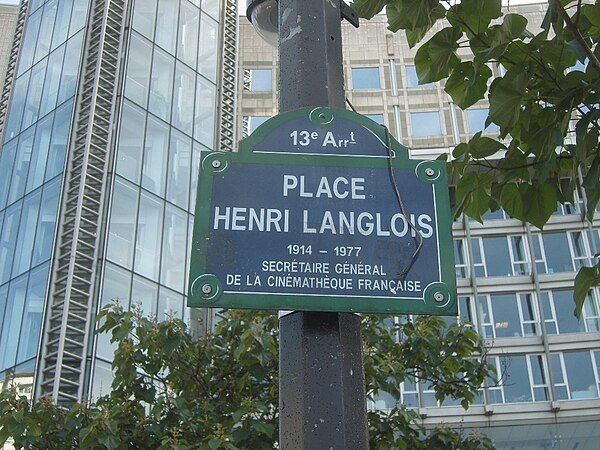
205,290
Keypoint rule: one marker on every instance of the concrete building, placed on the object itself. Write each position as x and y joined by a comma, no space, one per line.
107,107
515,281
8,21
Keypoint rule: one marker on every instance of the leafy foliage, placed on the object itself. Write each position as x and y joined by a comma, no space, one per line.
548,85
220,392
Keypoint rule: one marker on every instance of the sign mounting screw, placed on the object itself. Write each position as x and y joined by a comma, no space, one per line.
206,289
429,172
438,297
216,163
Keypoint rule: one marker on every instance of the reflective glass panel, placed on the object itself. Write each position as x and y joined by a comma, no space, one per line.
517,387
144,295
149,228
261,79
8,238
156,150
46,27
24,244
208,46
44,235
365,78
21,167
204,123
426,123
36,85
558,255
58,146
51,84
174,248
7,160
183,98
138,70
580,374
187,37
39,154
131,142
32,314
506,315
122,224
178,177
497,257
161,84
12,322
564,306
166,24
144,15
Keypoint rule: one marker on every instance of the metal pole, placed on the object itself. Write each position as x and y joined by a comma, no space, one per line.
321,377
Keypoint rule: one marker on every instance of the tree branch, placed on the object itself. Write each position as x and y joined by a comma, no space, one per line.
577,35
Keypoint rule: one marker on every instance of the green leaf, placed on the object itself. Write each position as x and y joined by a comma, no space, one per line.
474,16
529,203
511,200
468,83
368,8
436,57
412,14
473,190
506,97
586,278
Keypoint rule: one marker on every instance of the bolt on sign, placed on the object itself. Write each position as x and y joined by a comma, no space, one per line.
321,209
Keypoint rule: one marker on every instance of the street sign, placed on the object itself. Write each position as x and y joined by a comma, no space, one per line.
307,216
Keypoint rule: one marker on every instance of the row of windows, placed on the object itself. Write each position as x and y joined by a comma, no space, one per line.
37,156
157,157
49,27
551,252
361,78
47,84
170,90
422,123
27,231
522,378
503,315
148,235
180,29
21,308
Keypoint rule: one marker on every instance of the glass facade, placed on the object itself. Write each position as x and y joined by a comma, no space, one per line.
34,150
165,116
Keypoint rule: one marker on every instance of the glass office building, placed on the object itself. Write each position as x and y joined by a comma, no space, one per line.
515,282
106,107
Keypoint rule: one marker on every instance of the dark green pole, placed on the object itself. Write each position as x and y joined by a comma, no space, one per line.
321,377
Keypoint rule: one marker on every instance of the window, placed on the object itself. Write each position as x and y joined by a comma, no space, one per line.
426,123
558,308
563,251
255,121
376,118
580,377
365,78
412,80
508,315
460,259
500,256
476,120
258,80
523,378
